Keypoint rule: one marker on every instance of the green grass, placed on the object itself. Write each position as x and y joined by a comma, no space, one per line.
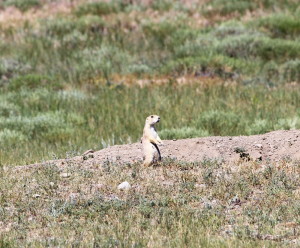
69,82
91,43
22,5
38,122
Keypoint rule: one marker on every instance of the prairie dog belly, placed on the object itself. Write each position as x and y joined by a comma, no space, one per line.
153,132
150,151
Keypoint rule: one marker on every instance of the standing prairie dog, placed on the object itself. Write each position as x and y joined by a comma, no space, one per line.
150,140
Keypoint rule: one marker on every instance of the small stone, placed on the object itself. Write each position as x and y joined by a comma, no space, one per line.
124,186
51,184
99,186
200,186
36,196
235,201
258,146
74,197
65,175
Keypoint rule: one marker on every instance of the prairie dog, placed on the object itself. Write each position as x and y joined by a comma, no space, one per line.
150,140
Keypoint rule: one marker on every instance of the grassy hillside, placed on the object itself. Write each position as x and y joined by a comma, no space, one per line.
76,75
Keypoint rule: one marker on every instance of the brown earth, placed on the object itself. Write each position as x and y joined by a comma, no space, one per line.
273,146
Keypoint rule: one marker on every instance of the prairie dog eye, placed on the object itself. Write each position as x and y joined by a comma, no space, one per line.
151,116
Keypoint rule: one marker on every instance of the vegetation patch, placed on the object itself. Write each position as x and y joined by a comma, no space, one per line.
228,204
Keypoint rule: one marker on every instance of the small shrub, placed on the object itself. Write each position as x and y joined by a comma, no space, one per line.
291,71
72,96
162,5
98,8
287,124
140,69
182,133
59,27
33,81
159,32
259,127
203,45
10,138
226,8
104,60
51,125
7,109
209,177
10,67
223,7
271,71
90,23
23,5
231,28
277,49
281,25
218,122
211,163
246,46
241,46
74,40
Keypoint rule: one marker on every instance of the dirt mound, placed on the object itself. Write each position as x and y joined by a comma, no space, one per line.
273,146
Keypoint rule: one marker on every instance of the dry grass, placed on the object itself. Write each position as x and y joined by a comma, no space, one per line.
12,17
176,204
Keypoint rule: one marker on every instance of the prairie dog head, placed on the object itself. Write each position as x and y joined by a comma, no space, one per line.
152,119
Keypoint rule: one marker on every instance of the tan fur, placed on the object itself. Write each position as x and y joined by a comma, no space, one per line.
150,140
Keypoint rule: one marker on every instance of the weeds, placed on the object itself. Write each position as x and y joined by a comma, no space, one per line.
63,118
91,44
181,212
64,87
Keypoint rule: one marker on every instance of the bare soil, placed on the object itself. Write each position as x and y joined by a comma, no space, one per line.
273,146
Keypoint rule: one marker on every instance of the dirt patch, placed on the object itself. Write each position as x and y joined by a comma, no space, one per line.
274,146
246,200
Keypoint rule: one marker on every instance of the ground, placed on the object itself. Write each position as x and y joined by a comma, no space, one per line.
273,146
235,191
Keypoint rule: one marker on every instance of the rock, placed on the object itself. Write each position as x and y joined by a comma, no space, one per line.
86,157
88,154
258,146
99,186
256,155
209,204
200,186
228,230
124,186
36,196
51,184
235,201
74,198
65,175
